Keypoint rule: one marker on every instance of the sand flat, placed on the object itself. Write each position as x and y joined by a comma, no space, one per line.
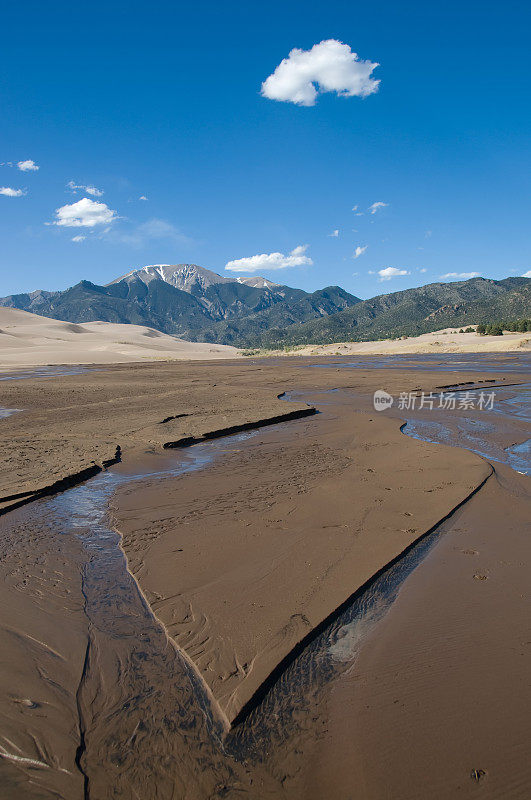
237,562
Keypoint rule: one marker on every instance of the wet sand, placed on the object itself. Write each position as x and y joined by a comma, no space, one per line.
238,565
436,704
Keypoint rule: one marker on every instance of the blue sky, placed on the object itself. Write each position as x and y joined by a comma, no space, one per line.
163,101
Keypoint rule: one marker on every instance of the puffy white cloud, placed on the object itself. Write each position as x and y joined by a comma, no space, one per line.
359,251
86,213
142,197
74,187
391,272
329,66
268,261
355,208
28,166
79,238
461,275
334,234
527,274
7,191
377,206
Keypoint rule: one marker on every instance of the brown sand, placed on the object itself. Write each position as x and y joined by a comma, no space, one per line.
328,520
436,704
238,562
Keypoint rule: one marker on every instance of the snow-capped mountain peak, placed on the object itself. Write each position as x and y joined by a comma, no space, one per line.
190,277
258,282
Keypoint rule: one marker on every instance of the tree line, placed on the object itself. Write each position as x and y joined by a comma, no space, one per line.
497,328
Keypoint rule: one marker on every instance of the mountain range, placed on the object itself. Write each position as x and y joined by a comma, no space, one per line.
197,304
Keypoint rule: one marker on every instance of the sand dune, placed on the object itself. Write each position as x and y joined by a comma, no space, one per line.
28,339
447,340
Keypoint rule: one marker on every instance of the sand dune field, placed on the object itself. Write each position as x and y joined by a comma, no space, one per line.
29,340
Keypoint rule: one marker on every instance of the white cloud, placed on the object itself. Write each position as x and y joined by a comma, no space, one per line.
377,206
74,187
423,269
391,272
268,261
463,275
28,166
355,208
7,191
359,251
142,197
331,65
527,274
78,238
334,234
85,213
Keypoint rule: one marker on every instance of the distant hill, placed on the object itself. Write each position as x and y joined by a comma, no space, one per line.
184,300
406,313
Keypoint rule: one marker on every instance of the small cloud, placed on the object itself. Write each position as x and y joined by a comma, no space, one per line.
377,206
355,274
74,187
28,166
461,275
334,234
78,238
391,272
85,213
360,214
427,235
423,269
142,197
329,66
7,191
269,261
355,208
527,274
371,272
151,230
359,251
